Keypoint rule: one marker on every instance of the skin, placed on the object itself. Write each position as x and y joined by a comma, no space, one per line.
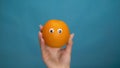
56,57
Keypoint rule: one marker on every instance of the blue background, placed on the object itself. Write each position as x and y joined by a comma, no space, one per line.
96,24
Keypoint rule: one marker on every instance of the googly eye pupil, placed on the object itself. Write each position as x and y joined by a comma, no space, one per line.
59,31
51,30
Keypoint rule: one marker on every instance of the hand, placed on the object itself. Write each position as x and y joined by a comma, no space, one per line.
56,57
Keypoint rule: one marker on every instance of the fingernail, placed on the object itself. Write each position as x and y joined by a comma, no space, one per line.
73,34
40,25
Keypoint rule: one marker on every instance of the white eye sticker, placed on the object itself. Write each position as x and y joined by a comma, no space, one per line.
59,31
51,30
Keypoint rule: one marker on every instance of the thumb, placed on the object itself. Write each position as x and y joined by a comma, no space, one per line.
41,41
69,44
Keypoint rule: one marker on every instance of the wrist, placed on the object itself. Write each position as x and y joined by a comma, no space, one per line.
60,67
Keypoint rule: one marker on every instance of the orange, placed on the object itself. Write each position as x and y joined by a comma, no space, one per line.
55,33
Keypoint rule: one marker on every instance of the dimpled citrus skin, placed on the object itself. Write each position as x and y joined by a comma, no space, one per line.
55,39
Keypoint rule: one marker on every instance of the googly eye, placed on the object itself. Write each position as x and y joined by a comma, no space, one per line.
51,30
59,31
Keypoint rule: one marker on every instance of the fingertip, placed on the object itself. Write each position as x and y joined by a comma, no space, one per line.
71,36
40,26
